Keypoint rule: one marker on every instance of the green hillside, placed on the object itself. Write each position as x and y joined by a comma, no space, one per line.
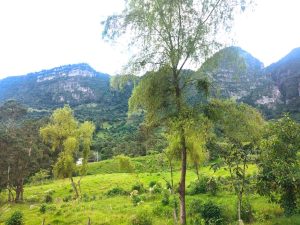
104,208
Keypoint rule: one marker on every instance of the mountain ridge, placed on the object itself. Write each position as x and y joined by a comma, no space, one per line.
273,89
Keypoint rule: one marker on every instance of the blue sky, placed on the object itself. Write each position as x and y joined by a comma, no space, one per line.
41,34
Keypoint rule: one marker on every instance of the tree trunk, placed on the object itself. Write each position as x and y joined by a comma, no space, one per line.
74,188
197,170
18,193
182,183
240,221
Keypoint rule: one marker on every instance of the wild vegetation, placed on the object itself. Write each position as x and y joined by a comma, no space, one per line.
175,153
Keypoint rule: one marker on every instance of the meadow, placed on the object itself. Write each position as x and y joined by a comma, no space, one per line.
106,197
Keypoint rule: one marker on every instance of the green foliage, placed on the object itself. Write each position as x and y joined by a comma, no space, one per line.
125,163
143,218
247,212
66,136
15,219
165,198
124,81
195,207
279,171
155,96
240,128
212,213
67,198
116,191
43,208
136,198
198,186
138,187
48,198
40,177
212,186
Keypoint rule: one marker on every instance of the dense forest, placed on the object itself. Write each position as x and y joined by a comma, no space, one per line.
215,145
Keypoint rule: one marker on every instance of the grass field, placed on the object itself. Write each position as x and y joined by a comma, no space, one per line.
103,209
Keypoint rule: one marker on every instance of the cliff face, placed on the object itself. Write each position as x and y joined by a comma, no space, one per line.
236,74
233,73
286,74
72,84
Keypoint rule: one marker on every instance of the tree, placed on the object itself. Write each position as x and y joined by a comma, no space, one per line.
170,34
20,146
279,172
67,136
239,128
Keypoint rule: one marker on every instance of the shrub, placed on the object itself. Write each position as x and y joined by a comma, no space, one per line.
43,208
40,177
212,186
138,187
152,183
166,198
116,191
212,213
15,219
198,186
85,197
163,211
135,198
67,198
157,188
195,207
32,199
48,198
142,218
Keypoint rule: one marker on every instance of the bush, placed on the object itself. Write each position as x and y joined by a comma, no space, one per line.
138,187
198,186
166,198
157,188
152,183
195,207
135,198
163,211
85,197
212,186
40,177
43,208
48,198
15,219
116,191
212,213
67,198
32,199
143,218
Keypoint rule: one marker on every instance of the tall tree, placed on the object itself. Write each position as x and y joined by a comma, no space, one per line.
66,136
20,146
239,128
171,34
279,171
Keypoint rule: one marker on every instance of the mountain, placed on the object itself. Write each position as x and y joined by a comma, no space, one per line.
234,73
79,85
286,74
279,92
72,84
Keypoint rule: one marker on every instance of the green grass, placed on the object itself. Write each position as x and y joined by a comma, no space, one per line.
119,209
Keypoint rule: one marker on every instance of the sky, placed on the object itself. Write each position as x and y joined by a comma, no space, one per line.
42,34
